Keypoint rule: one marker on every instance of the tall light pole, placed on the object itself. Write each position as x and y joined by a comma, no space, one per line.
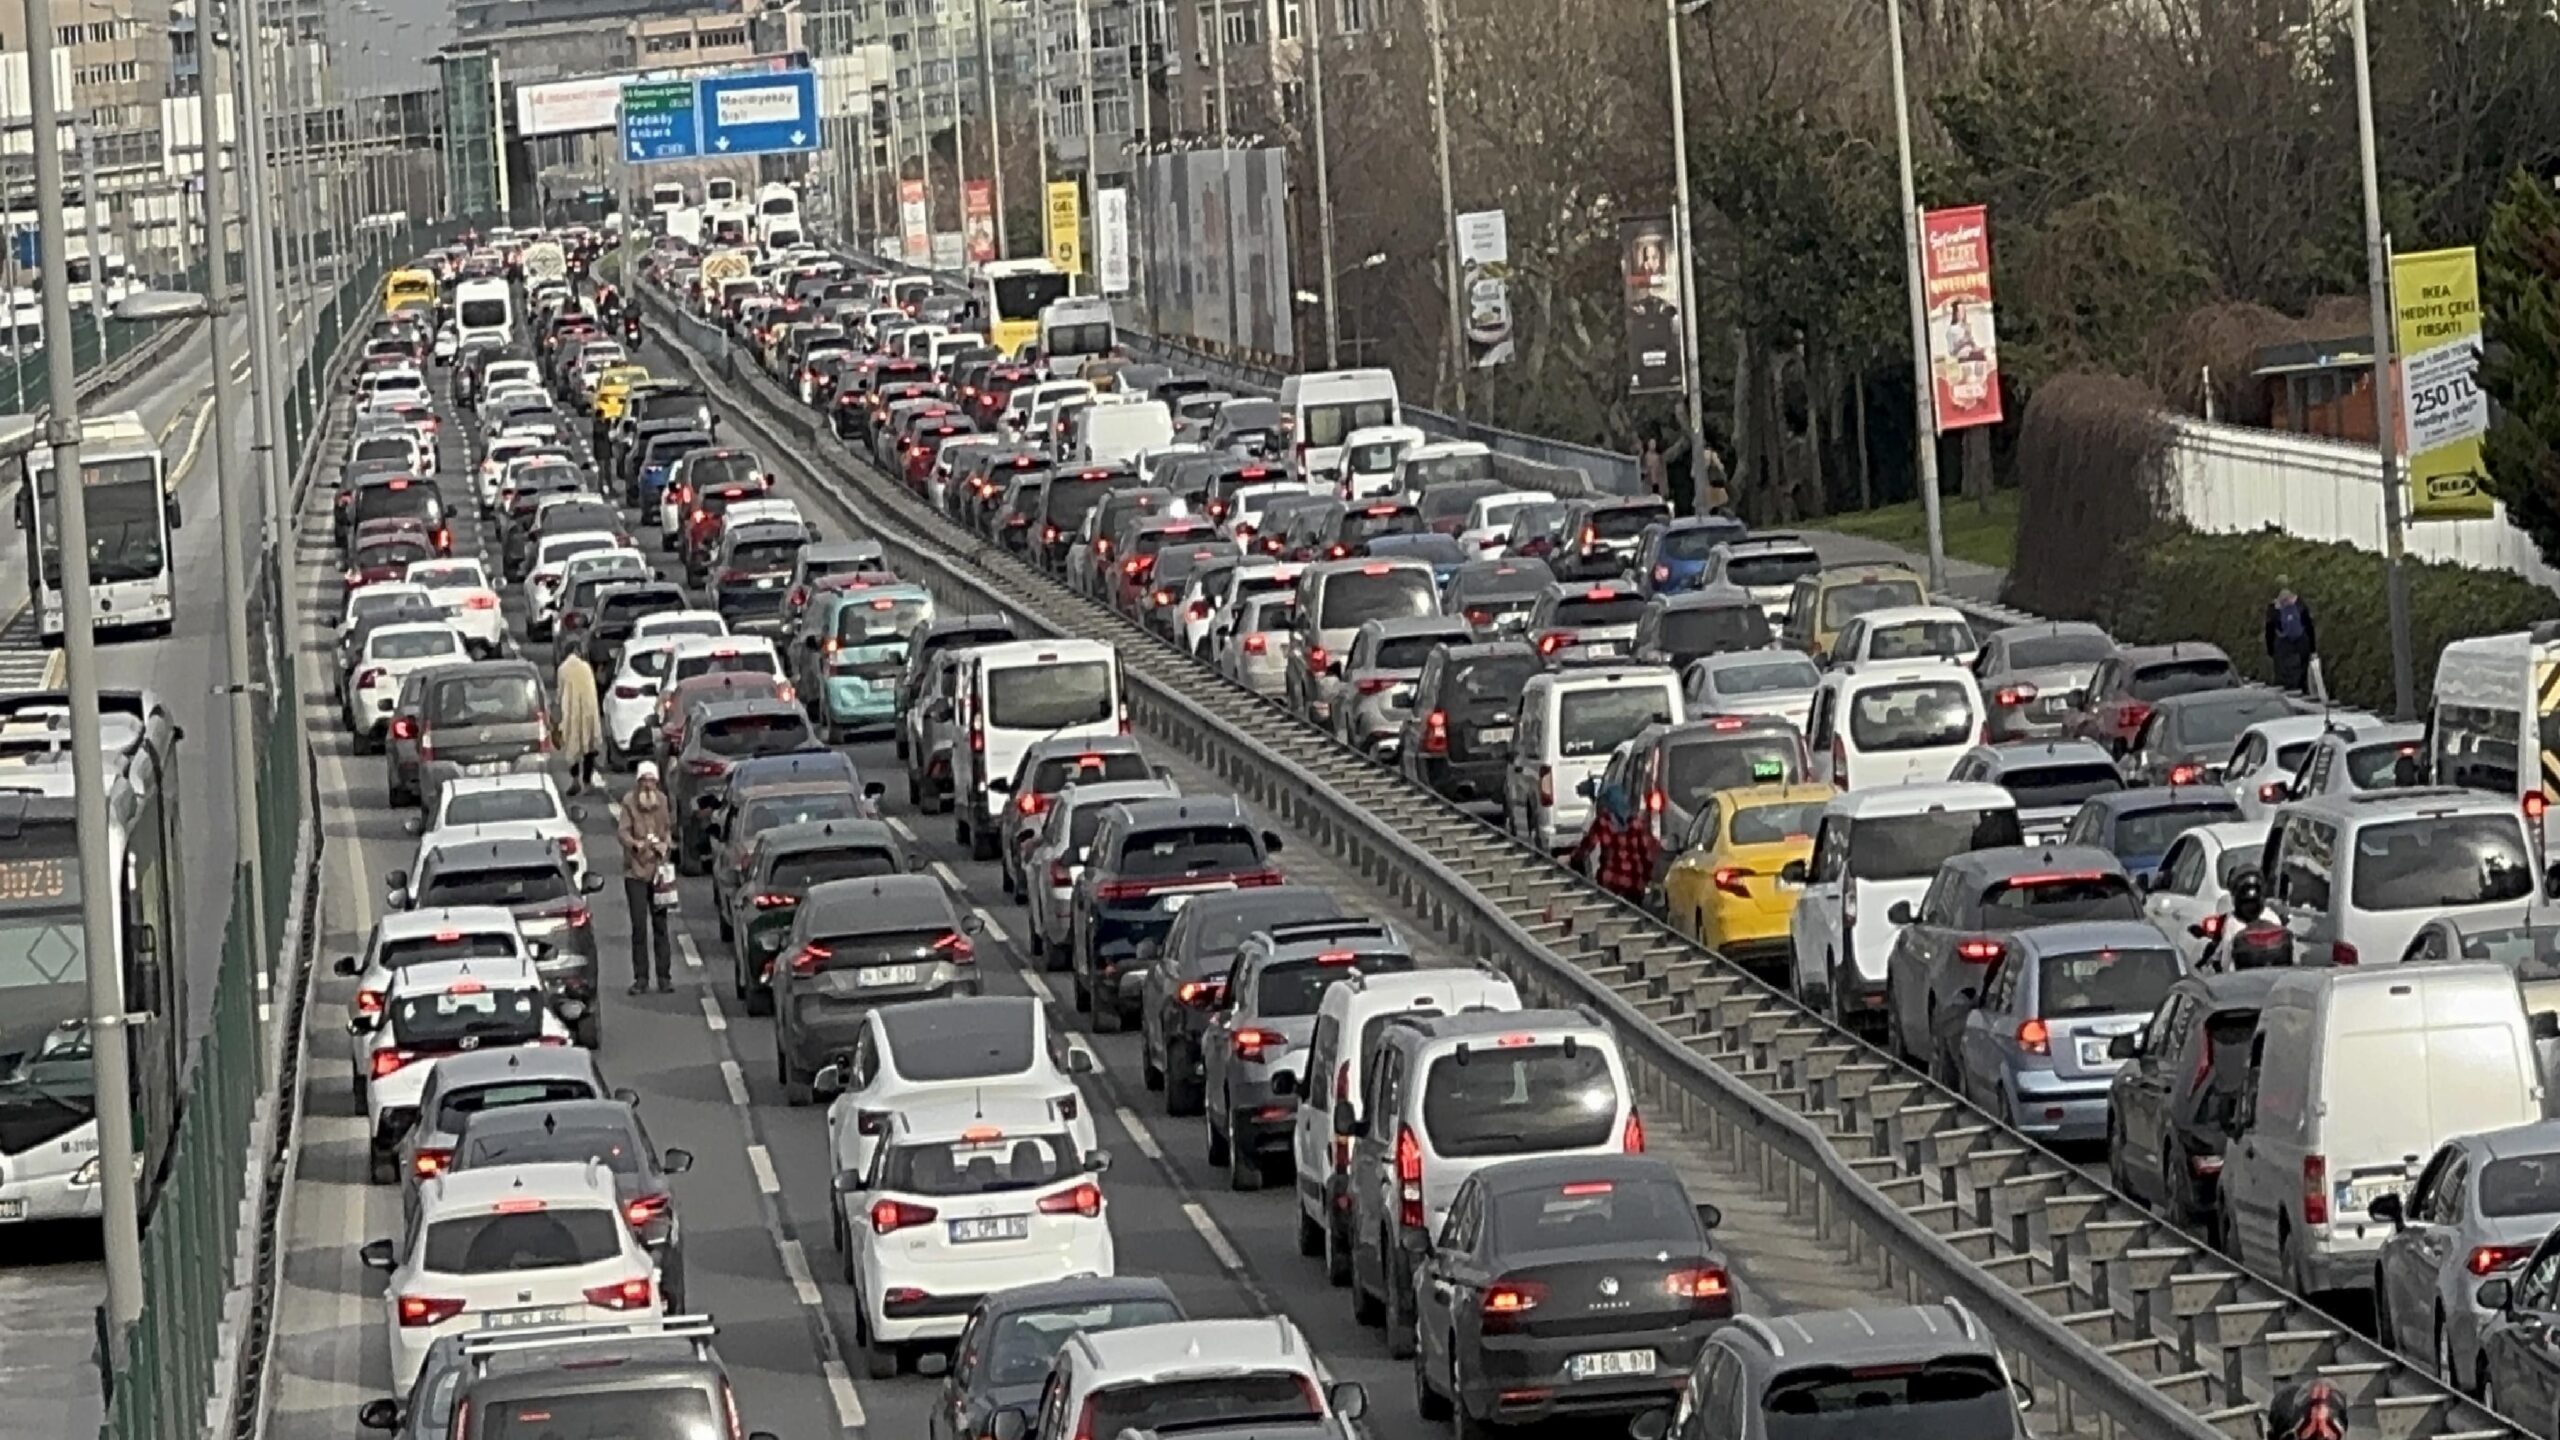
110,1053
1324,182
994,126
87,134
1457,348
1691,392
1090,251
2377,266
1924,399
959,150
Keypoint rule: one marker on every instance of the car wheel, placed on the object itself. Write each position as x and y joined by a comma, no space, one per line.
1182,1089
1366,1308
588,1033
1244,1165
1310,1234
1106,1014
1076,986
1218,1146
1337,1253
1428,1402
1399,1318
1150,1069
960,832
384,1169
738,973
880,1359
982,843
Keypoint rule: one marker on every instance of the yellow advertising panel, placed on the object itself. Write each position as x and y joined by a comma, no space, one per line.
2435,301
1066,226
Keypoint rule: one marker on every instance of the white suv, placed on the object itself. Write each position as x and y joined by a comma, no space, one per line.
1873,849
439,1008
1108,1382
402,938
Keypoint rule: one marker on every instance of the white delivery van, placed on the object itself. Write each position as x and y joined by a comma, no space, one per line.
1893,724
1322,409
2355,1077
484,310
1126,432
1011,695
1368,464
1571,722
1073,331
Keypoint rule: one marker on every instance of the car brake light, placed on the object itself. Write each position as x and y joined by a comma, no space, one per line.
387,1061
889,1216
430,1162
806,959
481,601
404,728
1708,1290
2035,1037
2185,774
1546,785
1435,733
644,1208
1202,993
368,675
1729,878
1632,1141
2315,1189
2488,1258
2342,953
2014,695
957,948
417,1310
1506,1300
1409,1179
1251,1042
1978,951
1084,1200
2272,793
1374,684
707,768
624,1295
368,1002
579,917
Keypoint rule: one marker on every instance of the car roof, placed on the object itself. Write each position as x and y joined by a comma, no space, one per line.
2138,656
1147,814
1403,625
1724,599
1473,1025
434,919
2073,937
438,975
752,705
2369,805
2228,697
956,1019
535,1062
2008,862
1489,650
803,767
1050,746
856,834
569,1114
1884,1334
509,780
569,1181
1197,1345
1909,614
2162,797
889,900
475,852
2018,754
1075,1291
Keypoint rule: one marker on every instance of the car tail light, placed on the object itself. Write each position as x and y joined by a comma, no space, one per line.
368,1002
2315,1189
430,1162
368,675
1979,951
629,692
1251,1042
2014,695
2535,804
1839,762
623,1295
481,601
1030,804
871,1122
1546,785
1318,660
2035,1037
2488,1258
977,741
1409,1179
1200,994
2185,774
708,768
1631,1140
2272,793
1729,878
1708,1290
1257,644
1656,802
386,1062
1552,641
1059,876
416,1310
644,1208
957,948
1505,1301
1375,685
2342,953
1435,733
806,959
889,1216
578,916
1124,890
2212,925
404,728
1084,1200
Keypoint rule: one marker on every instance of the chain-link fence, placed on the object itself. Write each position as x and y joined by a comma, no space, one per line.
161,1372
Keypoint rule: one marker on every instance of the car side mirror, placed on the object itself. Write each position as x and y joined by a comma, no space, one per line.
413,825
2147,882
1795,872
1346,1122
592,883
828,1081
1415,1243
999,784
2497,1294
380,1415
1079,1062
378,1255
2125,1046
1150,951
628,1097
1347,1398
347,966
1271,842
1901,913
397,880
1284,1085
1651,1424
1710,1216
1009,1423
850,1182
1587,786
2388,1210
675,1161
577,814
873,790
1098,1161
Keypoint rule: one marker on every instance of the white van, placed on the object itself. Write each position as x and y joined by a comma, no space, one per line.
1893,724
720,190
942,347
1873,850
2356,1076
484,311
1321,411
1368,464
2356,875
1348,1022
1009,696
1126,432
1073,331
1570,722
665,196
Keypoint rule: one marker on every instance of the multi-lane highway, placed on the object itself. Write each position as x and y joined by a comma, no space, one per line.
50,1278
755,1205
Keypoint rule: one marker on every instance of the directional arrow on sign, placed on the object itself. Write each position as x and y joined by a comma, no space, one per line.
799,137
722,142
638,150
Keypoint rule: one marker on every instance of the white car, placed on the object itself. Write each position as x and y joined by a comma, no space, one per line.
378,598
402,938
966,1198
380,388
2270,753
530,799
547,582
1486,532
491,474
511,1247
630,701
1876,849
1257,575
470,605
448,345
1054,859
436,1008
712,654
520,373
390,653
676,624
2192,888
914,1054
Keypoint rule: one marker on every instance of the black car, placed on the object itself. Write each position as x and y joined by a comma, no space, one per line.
1496,596
750,574
619,610
1676,629
781,866
855,944
947,633
528,522
1147,853
532,879
1011,1337
1456,738
1546,1262
1599,536
774,790
718,736
577,1131
1186,977
2169,1107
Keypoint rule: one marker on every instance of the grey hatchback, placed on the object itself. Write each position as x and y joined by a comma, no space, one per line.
485,718
1891,1370
859,943
654,1376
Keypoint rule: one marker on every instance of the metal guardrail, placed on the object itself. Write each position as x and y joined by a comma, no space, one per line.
2132,1323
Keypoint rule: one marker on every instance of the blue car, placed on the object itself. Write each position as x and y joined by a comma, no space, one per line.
1672,556
2139,826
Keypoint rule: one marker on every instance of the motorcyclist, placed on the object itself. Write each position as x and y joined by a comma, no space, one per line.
2307,1410
608,302
2249,936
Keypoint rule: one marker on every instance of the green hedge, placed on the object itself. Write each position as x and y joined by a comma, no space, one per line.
2187,586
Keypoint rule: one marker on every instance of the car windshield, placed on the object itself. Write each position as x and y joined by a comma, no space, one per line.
800,870
573,1143
1912,715
2106,982
471,1100
1720,629
1187,850
1491,677
2385,766
546,1238
766,812
1170,1406
2438,862
1770,571
1352,598
1790,675
1701,767
1919,639
762,733
1024,1342
1050,695
1912,847
415,644
447,945
483,807
2150,831
2037,652
1518,1096
985,1165
1785,820
1056,772
1625,522
493,699
1958,1398
2046,787
1406,652
1842,603
1595,721
2183,677
1647,1213
497,885
1297,988
442,1019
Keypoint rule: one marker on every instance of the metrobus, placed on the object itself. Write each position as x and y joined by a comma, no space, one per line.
2493,723
125,481
1011,295
48,1087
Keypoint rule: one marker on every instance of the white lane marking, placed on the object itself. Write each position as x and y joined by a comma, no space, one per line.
1216,1239
849,1412
994,929
1039,984
711,1015
942,871
692,956
905,831
734,1080
1138,1134
795,1263
760,1160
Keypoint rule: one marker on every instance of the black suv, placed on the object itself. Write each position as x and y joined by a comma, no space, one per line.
1456,738
1147,853
1187,973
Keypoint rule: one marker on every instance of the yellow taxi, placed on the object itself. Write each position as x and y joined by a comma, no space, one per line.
1824,602
1724,891
614,384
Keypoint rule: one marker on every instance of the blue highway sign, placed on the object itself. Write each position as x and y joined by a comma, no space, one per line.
661,120
773,113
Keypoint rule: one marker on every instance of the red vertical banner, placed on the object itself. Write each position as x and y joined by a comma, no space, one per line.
1964,345
978,219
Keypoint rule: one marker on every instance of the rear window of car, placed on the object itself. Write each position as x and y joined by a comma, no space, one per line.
575,1143
391,552
1353,598
764,733
1842,603
2151,831
381,502
488,945
1701,767
1056,772
800,808
508,699
717,471
2105,982
1025,1342
763,556
1625,522
415,644
1370,522
1176,851
802,869
1763,572
1919,639
743,660
2163,679
938,1051
979,1167
489,1018
457,1103
2213,724
1912,847
2520,1185
1297,987
1694,544
1769,824
2047,786
1956,1398
1627,1212
2095,895
1407,652
1716,630
1167,1405
497,885
483,807
2438,862
1596,720
1490,678
1049,696
1772,677
2037,652
1918,715
1612,609
554,1237
1520,1095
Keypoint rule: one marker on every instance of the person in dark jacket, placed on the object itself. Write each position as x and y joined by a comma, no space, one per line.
2307,1410
647,832
2291,638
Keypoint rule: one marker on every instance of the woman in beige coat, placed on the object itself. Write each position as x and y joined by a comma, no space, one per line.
579,721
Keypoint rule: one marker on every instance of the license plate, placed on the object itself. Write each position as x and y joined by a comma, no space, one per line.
2356,1197
13,1209
1611,1362
886,975
1604,647
487,767
767,583
518,1319
1494,735
992,1227
2093,1050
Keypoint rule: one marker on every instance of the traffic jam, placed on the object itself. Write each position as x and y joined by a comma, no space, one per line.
633,697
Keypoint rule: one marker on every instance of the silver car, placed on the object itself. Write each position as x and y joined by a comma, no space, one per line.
1751,682
1378,674
2049,777
1256,653
1253,1053
1049,766
2034,1032
2034,675
2478,1209
1054,858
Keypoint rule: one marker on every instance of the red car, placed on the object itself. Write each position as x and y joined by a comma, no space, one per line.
926,443
386,557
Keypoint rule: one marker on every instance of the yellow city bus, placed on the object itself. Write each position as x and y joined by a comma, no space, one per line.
409,290
1011,295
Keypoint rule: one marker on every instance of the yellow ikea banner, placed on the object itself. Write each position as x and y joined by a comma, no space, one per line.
1066,226
2435,302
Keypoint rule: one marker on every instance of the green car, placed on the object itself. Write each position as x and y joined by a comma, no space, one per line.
854,651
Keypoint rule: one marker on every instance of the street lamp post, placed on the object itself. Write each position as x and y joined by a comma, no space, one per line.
1924,407
2377,265
1324,182
1692,393
1457,347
